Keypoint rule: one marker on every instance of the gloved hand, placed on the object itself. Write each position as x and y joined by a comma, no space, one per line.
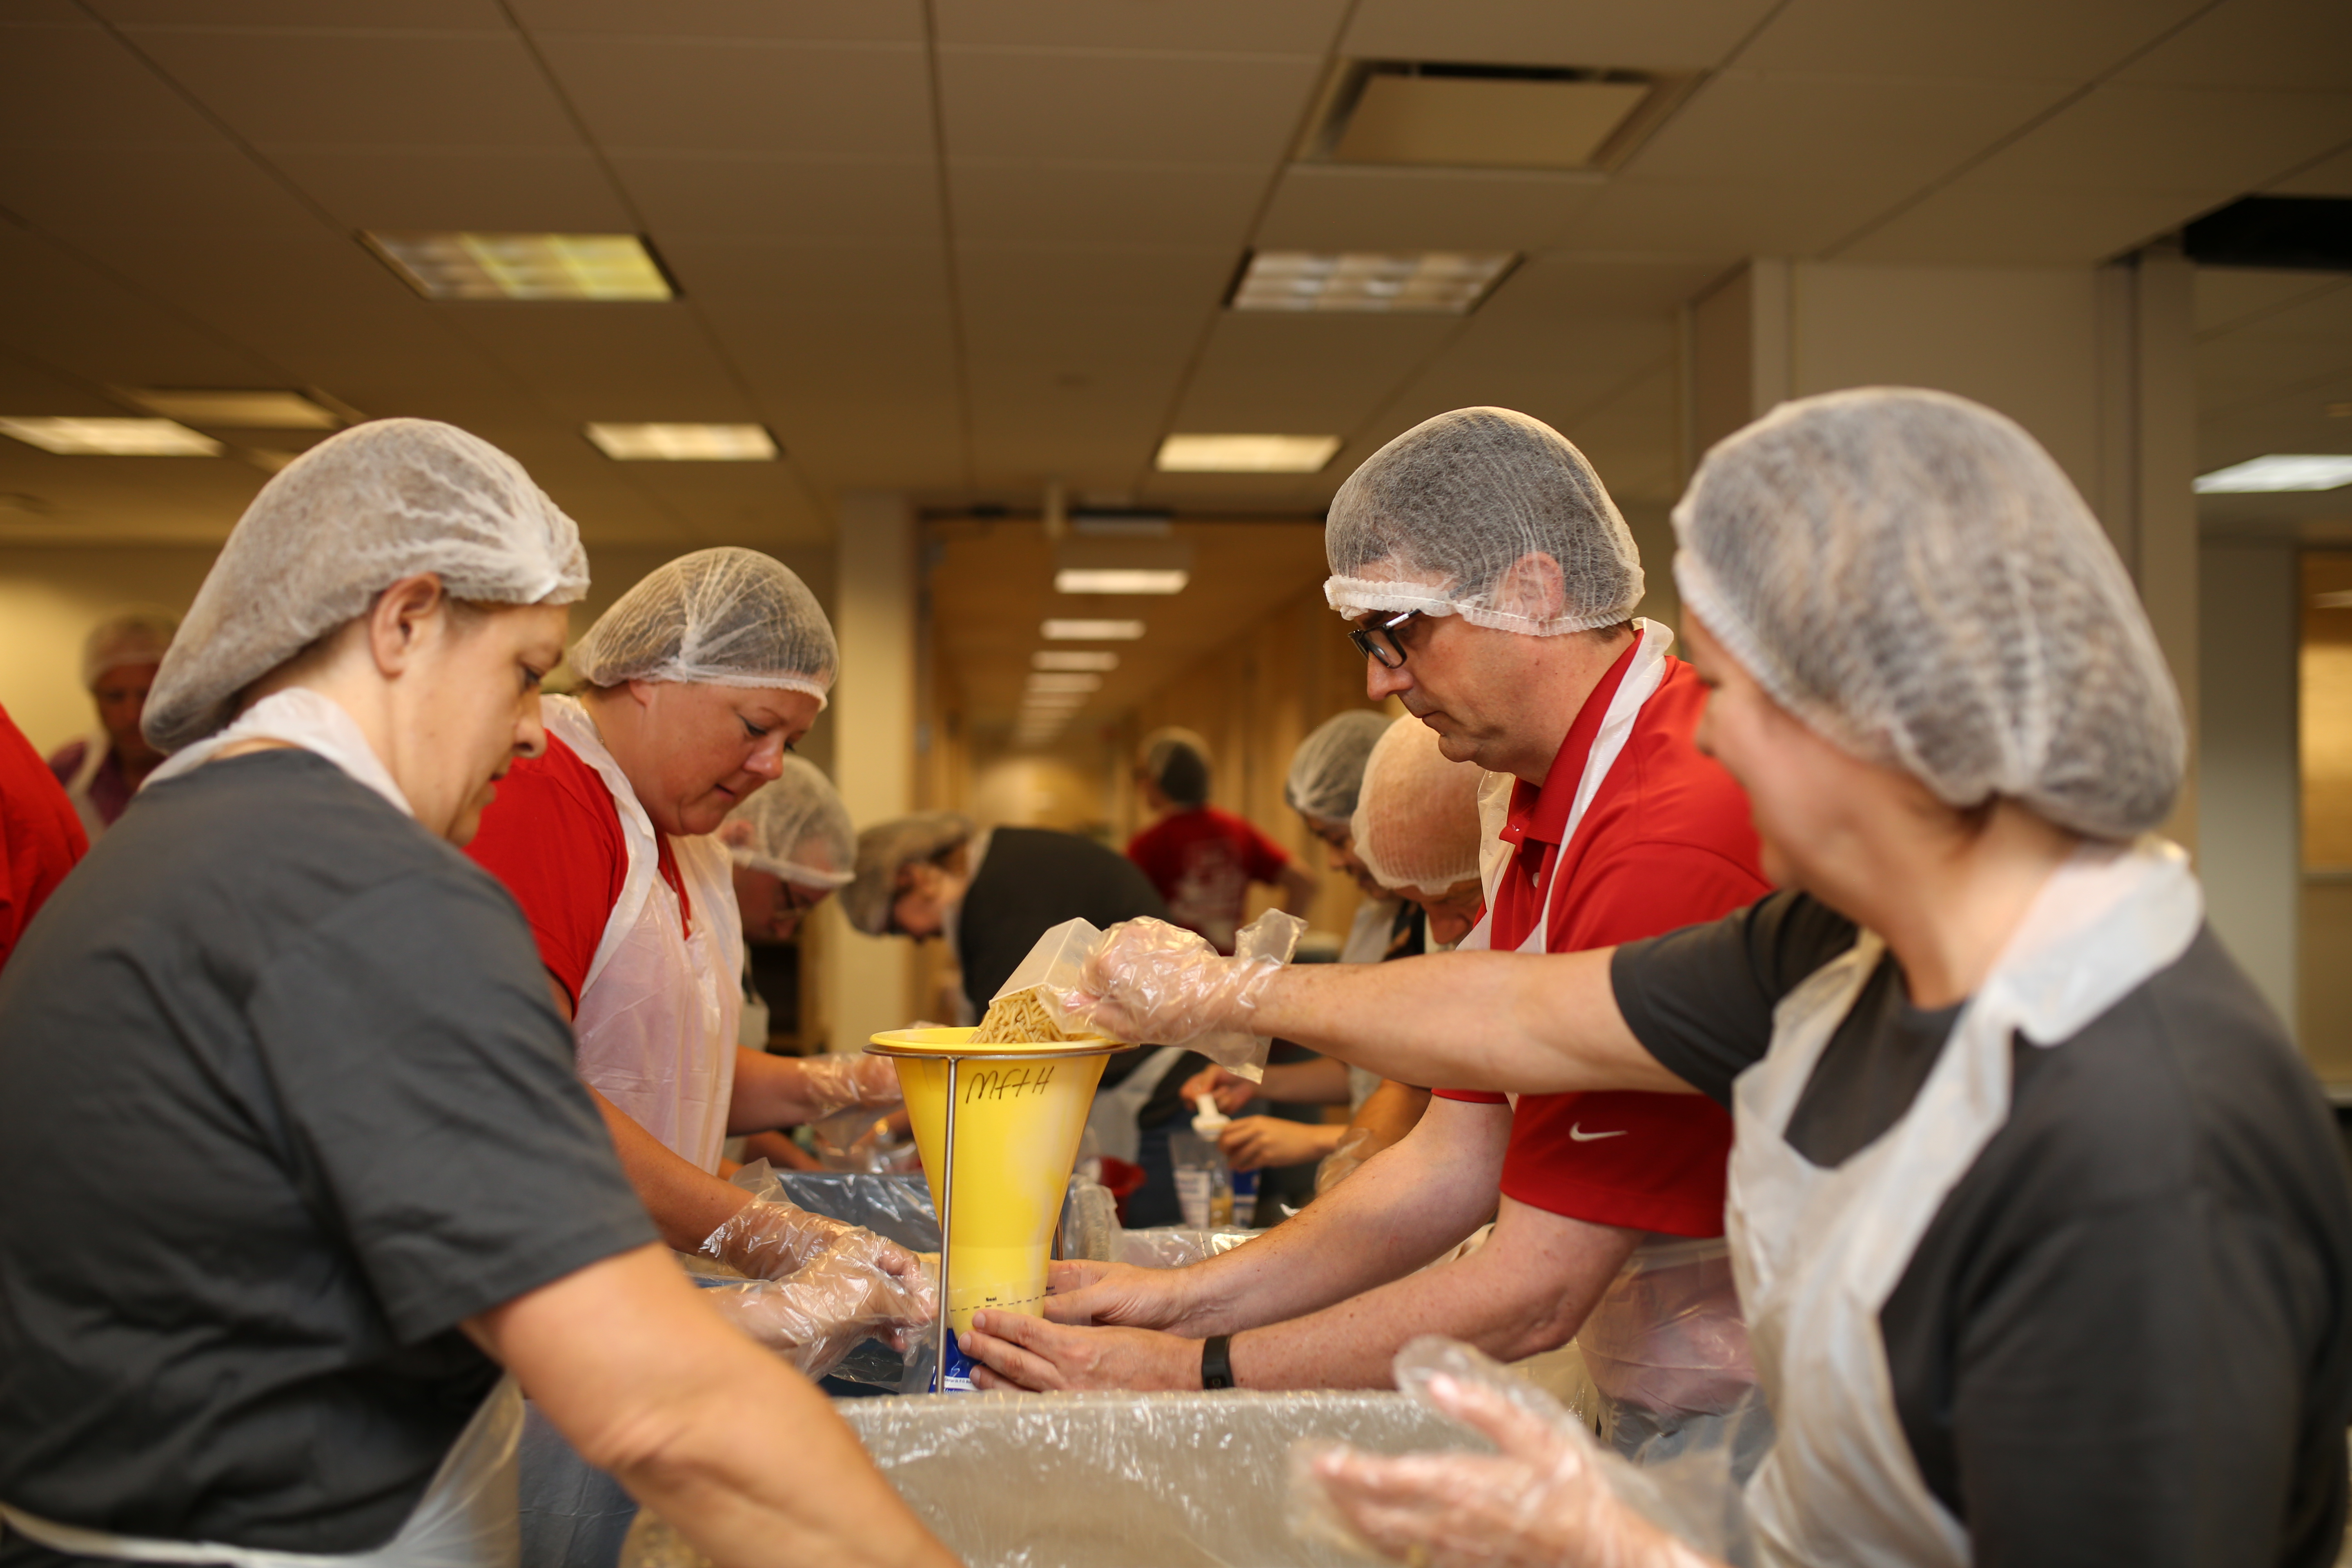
832,1083
1341,1162
1151,981
1542,1501
815,1316
769,1238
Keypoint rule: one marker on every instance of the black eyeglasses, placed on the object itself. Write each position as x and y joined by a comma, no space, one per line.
1380,639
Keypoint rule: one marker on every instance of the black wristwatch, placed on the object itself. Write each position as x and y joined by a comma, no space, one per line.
1217,1361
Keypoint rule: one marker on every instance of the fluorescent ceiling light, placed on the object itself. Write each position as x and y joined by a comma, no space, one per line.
237,410
1244,454
1121,524
1042,683
1436,282
684,443
524,266
1073,659
111,437
2338,600
2280,471
1119,580
1091,631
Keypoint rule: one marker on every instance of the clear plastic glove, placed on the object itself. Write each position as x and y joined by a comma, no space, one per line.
1548,1499
1151,981
1341,1162
769,1238
814,1317
832,1083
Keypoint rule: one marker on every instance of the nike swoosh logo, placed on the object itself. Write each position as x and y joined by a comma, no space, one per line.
1577,1133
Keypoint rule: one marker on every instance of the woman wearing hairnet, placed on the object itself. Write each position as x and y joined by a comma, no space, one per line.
2040,1225
104,770
367,1175
693,685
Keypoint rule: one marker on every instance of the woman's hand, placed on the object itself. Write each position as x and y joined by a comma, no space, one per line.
1229,1090
1258,1142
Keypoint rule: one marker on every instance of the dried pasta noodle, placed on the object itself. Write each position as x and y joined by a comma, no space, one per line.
1022,1018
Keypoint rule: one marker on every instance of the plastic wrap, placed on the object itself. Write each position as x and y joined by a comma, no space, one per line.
815,1315
1109,1480
1666,1344
1177,1247
1090,1225
1547,1495
1341,1162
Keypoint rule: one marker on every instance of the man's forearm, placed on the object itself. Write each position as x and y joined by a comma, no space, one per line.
687,1202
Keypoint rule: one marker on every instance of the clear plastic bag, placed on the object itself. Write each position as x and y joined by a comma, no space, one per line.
1178,1246
1666,1345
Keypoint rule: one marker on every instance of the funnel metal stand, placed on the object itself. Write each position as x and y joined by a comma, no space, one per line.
946,1219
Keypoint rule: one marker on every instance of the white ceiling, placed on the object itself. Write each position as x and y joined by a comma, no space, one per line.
961,247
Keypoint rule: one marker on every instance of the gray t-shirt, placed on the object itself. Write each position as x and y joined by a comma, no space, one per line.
2122,1338
285,1102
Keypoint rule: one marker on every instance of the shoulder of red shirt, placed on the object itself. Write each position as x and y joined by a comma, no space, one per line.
1157,846
41,838
552,837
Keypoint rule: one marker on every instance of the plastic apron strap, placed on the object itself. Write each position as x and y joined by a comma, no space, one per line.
467,1518
95,750
1112,1118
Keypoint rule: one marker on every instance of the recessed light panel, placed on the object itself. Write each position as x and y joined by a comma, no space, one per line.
1073,658
2280,471
237,410
1044,682
1091,631
1119,580
111,437
1435,283
455,266
684,443
1244,454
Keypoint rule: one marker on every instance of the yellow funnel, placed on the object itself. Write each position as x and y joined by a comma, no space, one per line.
1019,1111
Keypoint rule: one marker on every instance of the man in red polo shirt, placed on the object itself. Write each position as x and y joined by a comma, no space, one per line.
1492,584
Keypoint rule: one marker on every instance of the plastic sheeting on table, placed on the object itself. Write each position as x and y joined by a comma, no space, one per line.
1109,1480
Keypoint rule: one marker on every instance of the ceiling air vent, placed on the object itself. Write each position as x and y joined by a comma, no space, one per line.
1423,114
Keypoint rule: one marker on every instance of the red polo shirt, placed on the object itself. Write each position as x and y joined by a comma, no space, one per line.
1667,843
40,837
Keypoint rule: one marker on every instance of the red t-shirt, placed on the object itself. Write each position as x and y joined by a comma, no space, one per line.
1667,842
1203,862
553,836
41,839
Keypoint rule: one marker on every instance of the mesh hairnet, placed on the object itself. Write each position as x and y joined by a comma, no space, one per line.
1435,519
731,616
126,636
1913,576
799,829
1328,765
888,848
1178,762
1416,823
337,526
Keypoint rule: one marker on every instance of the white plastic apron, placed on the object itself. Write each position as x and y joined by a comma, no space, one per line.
1818,1252
467,1518
1112,1118
95,750
658,1014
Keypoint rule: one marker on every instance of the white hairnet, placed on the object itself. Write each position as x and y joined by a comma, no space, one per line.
1177,761
1912,575
1416,823
794,827
888,848
126,636
1328,765
1435,519
337,526
729,617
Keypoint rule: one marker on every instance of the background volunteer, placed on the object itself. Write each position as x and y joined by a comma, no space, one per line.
368,1173
693,684
2044,1226
1204,860
101,771
1493,579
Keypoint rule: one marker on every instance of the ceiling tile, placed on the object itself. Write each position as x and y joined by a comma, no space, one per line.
1835,131
32,390
2231,298
1119,204
1265,27
590,361
379,89
1972,222
407,16
2327,176
748,196
812,279
747,95
498,189
1719,219
2155,138
877,21
106,329
1329,207
1989,40
1122,107
1308,375
2265,44
166,190
1660,35
43,14
1095,277
1573,287
63,86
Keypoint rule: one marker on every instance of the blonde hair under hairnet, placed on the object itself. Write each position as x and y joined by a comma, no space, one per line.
888,848
337,526
126,636
1329,766
729,617
1912,575
1434,521
794,827
1416,823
